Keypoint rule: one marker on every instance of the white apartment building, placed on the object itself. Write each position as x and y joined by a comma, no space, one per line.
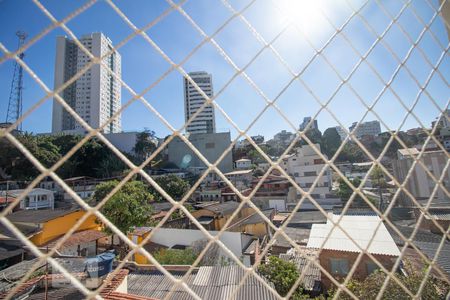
304,166
243,164
205,121
37,198
96,95
371,128
420,184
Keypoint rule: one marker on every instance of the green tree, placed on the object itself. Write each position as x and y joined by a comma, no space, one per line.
314,135
351,152
378,180
281,273
345,191
172,185
377,177
330,141
145,145
127,208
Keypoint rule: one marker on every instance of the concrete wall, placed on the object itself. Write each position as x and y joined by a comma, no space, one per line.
124,141
420,184
210,145
234,241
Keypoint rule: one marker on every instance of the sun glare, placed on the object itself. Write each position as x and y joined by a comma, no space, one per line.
306,14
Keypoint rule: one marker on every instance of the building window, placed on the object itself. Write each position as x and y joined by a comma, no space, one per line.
371,267
310,173
210,145
339,266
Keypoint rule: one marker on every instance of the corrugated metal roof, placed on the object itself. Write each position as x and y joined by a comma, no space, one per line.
298,235
223,208
312,276
39,216
443,259
361,229
210,282
440,216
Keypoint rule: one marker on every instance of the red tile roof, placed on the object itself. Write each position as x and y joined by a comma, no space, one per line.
114,282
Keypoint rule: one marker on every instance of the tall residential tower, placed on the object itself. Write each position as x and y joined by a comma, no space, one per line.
95,95
205,121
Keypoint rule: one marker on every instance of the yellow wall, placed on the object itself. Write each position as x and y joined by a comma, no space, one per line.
138,257
258,230
57,227
220,222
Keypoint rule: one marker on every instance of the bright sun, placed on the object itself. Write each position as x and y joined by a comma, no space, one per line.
306,14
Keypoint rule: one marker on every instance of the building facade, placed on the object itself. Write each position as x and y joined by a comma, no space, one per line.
205,121
341,132
304,166
371,128
243,164
96,95
305,123
420,184
37,198
210,145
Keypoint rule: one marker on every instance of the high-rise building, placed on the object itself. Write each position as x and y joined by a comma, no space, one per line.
95,96
341,132
205,121
306,121
371,128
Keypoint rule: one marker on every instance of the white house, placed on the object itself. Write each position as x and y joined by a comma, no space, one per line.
240,178
304,166
236,242
243,164
36,199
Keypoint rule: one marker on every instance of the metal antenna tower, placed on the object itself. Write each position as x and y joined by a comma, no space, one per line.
15,96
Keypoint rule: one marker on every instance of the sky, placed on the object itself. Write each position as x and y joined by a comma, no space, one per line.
306,27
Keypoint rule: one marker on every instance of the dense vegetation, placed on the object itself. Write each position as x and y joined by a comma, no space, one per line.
370,287
330,142
282,274
93,158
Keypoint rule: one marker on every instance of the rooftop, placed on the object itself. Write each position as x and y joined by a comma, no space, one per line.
238,172
302,218
39,216
255,218
223,208
243,160
218,282
361,228
408,151
78,238
298,235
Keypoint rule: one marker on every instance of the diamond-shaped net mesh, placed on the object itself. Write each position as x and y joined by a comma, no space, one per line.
271,102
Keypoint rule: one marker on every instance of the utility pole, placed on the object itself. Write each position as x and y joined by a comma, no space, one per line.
15,97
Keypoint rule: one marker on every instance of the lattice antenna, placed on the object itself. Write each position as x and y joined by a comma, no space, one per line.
15,97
